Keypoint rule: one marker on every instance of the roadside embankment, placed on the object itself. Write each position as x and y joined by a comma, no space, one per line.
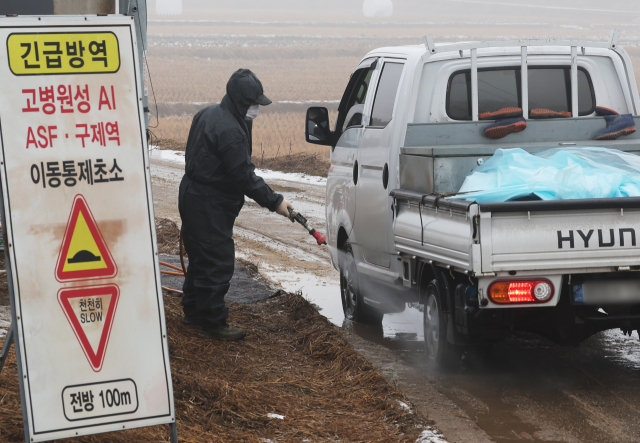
294,378
307,163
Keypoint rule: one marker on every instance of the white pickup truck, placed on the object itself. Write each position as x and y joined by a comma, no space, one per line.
408,133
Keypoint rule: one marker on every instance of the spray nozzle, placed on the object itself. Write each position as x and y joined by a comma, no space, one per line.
321,239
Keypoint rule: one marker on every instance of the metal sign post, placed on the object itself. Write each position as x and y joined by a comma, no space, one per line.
11,336
8,341
81,251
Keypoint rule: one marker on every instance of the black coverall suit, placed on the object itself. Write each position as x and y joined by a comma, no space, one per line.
218,174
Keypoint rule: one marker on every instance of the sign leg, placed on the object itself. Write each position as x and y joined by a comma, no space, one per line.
7,344
173,429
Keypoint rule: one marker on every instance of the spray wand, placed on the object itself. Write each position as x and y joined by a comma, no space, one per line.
321,239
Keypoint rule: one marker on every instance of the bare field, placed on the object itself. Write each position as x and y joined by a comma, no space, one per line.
200,75
273,134
305,61
186,79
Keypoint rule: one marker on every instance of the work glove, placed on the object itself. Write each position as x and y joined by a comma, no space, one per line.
283,209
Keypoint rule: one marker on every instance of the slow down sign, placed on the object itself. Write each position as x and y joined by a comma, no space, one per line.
91,338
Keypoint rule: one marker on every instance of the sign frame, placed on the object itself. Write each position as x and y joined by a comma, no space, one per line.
16,332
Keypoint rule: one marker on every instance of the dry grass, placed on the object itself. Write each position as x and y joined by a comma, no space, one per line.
309,164
274,135
198,76
188,78
174,128
168,143
168,235
293,363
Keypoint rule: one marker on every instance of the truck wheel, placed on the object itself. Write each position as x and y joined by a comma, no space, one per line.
439,352
352,303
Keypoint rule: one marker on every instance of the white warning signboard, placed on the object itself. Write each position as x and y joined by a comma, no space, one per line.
76,186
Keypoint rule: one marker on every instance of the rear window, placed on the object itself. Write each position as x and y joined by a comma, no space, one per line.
549,88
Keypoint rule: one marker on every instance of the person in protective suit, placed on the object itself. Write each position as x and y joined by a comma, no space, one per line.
218,174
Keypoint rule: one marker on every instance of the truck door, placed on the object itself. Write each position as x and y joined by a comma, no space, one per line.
341,194
373,207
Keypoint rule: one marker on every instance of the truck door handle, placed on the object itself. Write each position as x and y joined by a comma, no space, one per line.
355,172
385,176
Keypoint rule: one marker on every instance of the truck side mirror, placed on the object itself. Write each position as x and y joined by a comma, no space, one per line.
317,127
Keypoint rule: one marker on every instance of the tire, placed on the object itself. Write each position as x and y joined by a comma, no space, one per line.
440,353
353,304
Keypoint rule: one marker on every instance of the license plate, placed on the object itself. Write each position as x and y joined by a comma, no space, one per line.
607,292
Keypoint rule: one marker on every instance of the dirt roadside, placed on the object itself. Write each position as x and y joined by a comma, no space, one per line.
294,378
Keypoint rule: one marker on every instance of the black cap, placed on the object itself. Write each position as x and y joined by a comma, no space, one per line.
263,100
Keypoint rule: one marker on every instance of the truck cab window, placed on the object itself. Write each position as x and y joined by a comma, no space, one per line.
549,88
386,94
352,103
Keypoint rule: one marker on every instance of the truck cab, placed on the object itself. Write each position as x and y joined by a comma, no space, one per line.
408,133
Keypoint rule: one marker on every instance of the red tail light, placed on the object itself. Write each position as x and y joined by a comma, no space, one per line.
521,291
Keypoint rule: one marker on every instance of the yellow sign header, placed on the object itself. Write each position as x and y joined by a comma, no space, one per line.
63,53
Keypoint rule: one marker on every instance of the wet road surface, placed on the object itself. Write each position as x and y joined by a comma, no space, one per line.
528,389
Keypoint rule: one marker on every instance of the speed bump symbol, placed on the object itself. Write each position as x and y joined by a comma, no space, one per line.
84,254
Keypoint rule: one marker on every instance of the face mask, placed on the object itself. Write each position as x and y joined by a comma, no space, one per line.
253,112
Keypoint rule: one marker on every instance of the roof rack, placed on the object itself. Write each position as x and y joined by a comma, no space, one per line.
473,47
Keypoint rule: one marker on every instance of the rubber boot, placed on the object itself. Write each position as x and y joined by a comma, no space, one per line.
190,321
602,111
502,128
501,114
223,332
617,126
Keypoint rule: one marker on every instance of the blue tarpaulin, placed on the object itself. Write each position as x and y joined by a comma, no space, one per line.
556,174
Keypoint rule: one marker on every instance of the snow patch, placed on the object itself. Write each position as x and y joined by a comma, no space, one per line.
431,436
404,405
279,417
321,291
178,157
164,154
621,348
291,176
292,251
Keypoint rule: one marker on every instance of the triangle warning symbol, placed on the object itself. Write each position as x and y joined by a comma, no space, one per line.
90,311
84,255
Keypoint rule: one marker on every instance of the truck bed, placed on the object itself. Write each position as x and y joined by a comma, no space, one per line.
437,157
564,236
